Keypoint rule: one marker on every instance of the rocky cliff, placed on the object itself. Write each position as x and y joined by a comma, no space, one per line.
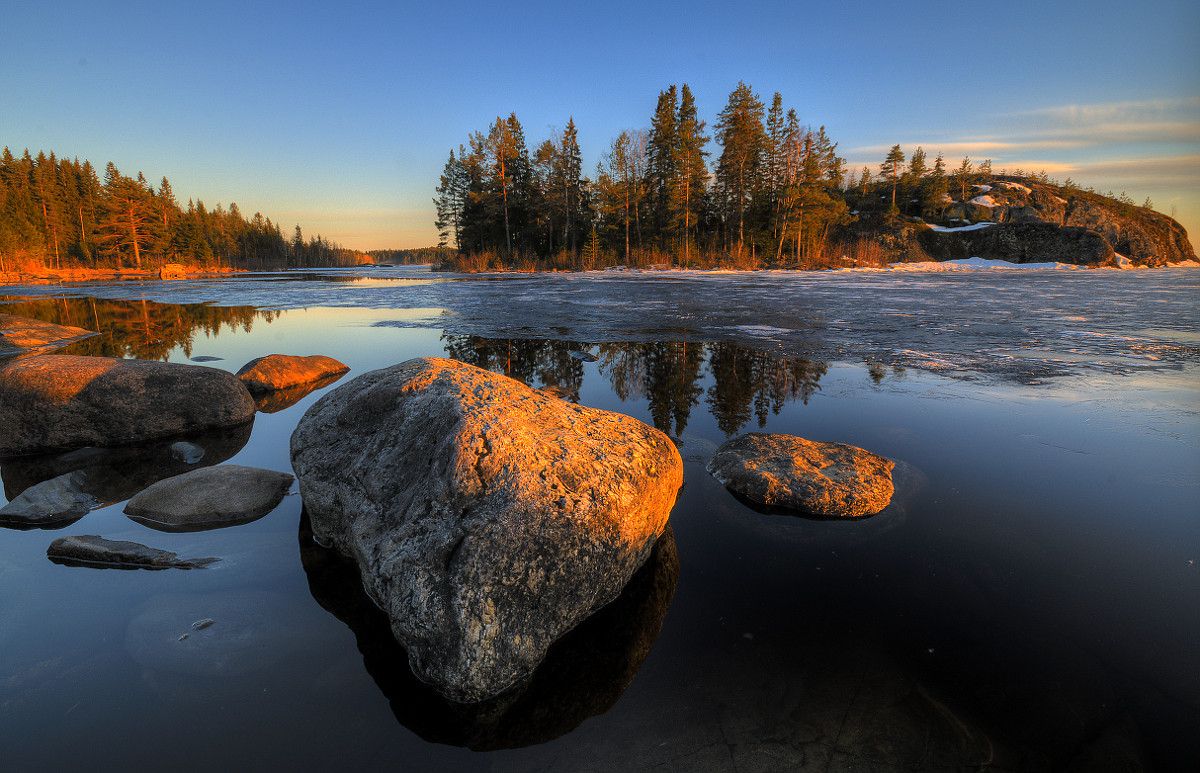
1038,221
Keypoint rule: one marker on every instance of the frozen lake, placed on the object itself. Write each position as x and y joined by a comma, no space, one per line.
1028,603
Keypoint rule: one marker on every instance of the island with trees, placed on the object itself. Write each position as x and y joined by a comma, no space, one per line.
762,190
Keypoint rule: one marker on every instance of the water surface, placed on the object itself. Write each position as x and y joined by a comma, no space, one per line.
1028,603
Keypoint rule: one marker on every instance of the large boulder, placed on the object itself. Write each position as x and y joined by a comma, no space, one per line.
209,498
24,335
486,518
285,371
58,402
823,480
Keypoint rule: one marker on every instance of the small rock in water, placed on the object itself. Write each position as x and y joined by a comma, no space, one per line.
209,498
583,356
188,453
57,502
95,551
206,358
825,480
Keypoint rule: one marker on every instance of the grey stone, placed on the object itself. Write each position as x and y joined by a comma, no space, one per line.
94,551
486,518
209,498
56,502
58,402
825,480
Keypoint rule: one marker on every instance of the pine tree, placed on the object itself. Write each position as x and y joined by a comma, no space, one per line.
692,171
891,168
741,135
661,154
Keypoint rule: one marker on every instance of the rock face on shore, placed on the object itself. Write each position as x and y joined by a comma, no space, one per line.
56,402
1049,223
486,518
209,498
823,480
1021,243
23,335
285,371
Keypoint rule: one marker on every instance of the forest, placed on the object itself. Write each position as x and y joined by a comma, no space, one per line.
56,213
760,189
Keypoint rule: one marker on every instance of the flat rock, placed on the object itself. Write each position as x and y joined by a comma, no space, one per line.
209,498
824,480
486,518
50,504
59,402
24,335
94,551
283,371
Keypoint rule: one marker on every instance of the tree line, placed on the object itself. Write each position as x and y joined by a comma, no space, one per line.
768,191
57,213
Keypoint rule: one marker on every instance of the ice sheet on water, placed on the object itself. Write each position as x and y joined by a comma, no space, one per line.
966,323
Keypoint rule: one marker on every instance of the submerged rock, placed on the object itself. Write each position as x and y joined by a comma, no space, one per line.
58,402
25,335
486,518
91,550
825,480
209,498
51,504
283,371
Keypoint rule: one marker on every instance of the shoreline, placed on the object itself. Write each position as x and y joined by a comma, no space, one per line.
58,275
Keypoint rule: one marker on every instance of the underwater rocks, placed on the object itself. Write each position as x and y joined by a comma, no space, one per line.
209,498
825,480
485,517
59,402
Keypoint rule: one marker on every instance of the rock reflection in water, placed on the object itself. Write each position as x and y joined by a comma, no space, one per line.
115,474
277,400
583,675
746,383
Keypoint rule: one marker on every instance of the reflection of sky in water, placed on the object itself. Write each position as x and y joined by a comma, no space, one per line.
1043,574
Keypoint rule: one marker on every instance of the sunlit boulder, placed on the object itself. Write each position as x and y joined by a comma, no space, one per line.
486,518
285,371
824,480
58,402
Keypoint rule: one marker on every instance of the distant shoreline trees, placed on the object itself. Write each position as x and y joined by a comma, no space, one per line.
56,213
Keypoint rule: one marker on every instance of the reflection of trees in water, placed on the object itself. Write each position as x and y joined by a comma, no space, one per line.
143,329
748,382
666,374
531,361
745,383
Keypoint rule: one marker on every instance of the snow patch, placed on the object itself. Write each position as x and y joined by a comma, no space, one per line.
984,201
961,228
975,264
982,187
1015,187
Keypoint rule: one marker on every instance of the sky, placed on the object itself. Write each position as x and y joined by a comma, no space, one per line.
340,117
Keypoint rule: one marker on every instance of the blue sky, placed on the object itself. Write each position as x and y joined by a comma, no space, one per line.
340,117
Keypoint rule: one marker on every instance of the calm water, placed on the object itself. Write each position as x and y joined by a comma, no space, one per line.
1031,601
